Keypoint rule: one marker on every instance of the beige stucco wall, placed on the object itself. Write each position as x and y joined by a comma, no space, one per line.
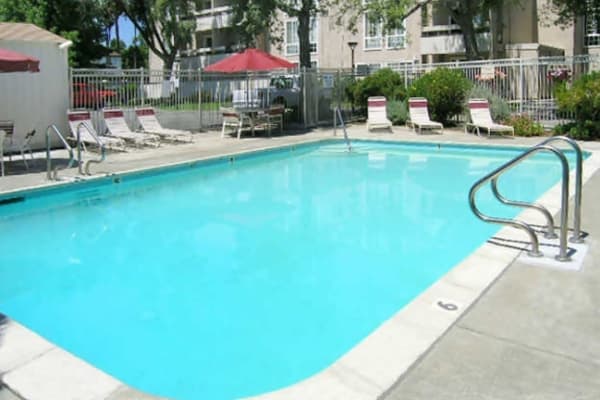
36,100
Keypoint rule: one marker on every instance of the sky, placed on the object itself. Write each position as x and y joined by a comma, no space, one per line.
125,30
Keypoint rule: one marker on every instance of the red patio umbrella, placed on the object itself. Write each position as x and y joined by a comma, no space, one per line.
249,60
11,61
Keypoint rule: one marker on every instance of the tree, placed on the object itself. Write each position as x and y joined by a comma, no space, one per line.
255,17
568,10
76,20
167,26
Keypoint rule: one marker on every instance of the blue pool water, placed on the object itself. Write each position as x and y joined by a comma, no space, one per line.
232,279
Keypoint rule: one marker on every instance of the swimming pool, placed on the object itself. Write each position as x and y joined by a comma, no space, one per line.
227,279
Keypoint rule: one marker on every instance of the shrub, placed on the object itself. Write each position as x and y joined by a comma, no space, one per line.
397,111
525,126
583,101
498,108
445,90
384,82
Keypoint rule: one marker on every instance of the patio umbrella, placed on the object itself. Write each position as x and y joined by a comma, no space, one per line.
11,61
249,60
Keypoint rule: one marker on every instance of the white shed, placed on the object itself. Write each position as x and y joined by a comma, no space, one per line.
35,100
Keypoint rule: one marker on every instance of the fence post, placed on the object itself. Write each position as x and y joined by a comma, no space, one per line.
142,85
200,98
521,86
304,108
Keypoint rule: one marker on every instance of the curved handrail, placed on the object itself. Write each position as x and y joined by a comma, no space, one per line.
100,145
52,173
535,248
549,234
577,237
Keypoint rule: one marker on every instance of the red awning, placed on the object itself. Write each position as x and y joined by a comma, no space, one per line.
11,61
249,60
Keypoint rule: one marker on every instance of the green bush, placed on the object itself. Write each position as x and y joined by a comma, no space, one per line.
525,126
397,111
499,108
445,90
384,82
583,101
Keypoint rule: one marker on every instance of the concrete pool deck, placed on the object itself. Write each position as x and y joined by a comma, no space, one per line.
550,348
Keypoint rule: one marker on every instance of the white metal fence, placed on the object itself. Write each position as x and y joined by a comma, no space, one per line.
192,99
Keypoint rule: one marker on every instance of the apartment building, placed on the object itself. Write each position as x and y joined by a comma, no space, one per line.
429,35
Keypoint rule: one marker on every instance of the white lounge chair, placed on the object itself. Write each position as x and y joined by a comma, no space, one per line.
482,119
377,113
149,123
117,127
87,132
419,116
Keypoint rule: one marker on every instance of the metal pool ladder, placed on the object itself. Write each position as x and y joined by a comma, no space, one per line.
52,173
80,144
493,176
337,114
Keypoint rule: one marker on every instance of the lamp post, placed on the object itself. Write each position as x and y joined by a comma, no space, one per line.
352,46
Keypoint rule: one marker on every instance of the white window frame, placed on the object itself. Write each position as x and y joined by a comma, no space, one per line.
295,45
398,34
592,29
372,42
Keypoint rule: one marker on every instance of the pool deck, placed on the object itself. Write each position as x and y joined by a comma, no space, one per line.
534,333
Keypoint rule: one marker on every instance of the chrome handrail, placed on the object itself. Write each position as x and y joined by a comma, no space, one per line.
52,173
577,236
338,113
100,144
492,176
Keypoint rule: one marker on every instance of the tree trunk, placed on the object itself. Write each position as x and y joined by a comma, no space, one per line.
465,21
117,35
304,37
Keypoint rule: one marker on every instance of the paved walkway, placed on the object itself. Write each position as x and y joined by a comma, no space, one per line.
535,334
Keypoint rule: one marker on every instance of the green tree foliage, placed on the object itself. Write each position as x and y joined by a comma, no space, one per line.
445,90
583,101
167,26
256,17
568,10
136,55
76,20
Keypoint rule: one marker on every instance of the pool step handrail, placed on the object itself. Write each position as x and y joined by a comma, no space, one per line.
337,114
52,173
577,236
101,146
493,176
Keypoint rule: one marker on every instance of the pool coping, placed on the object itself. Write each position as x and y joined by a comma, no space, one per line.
33,368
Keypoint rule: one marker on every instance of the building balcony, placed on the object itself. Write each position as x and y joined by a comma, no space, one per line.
214,18
448,39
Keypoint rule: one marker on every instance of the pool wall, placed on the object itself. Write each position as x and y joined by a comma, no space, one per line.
33,368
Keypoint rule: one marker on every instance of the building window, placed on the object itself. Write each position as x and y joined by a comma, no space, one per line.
292,43
396,38
373,33
592,27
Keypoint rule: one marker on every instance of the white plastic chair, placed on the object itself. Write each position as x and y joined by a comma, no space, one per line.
6,130
117,127
150,124
21,147
77,117
237,120
377,113
419,116
482,119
